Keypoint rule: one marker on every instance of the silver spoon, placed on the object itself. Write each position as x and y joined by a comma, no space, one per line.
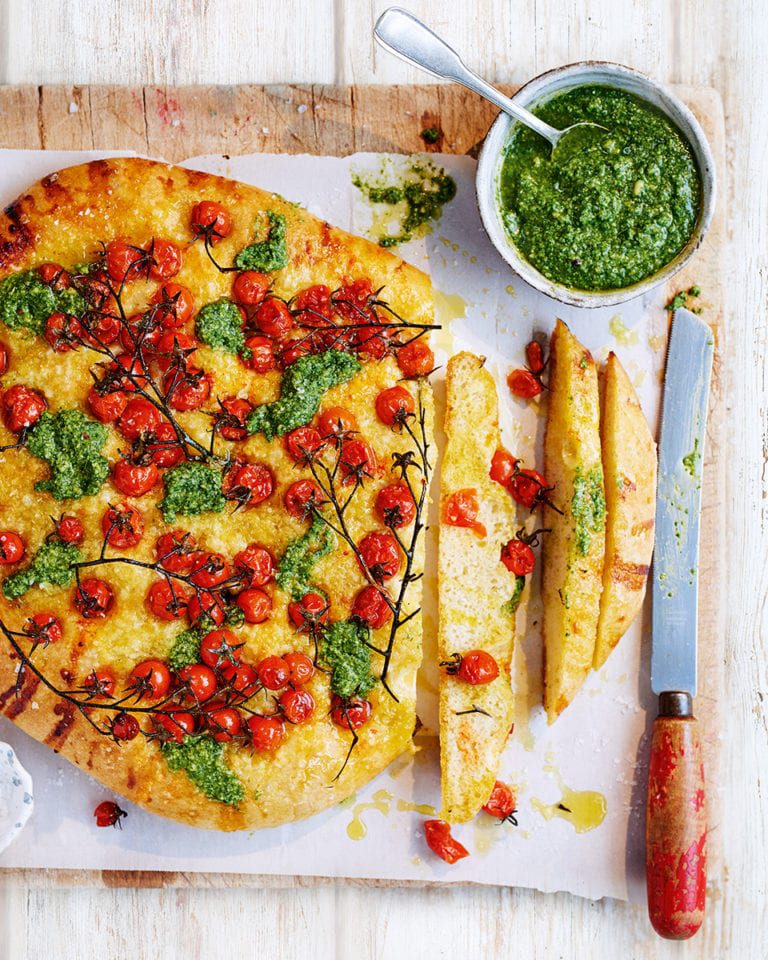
407,37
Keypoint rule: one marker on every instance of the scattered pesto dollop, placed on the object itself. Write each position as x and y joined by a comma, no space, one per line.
26,302
52,565
422,189
268,254
294,572
201,758
344,651
220,325
185,649
191,488
71,444
301,391
611,213
587,507
514,601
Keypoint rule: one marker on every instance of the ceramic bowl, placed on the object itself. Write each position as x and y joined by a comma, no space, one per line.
16,800
557,81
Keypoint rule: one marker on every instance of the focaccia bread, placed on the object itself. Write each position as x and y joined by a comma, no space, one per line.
211,491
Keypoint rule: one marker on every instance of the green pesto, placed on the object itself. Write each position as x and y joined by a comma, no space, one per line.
423,189
52,565
294,572
344,651
191,488
26,302
185,649
220,325
71,444
201,758
691,460
587,507
514,601
302,389
268,254
613,212
430,135
682,299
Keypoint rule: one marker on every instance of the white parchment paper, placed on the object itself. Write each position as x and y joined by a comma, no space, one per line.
596,745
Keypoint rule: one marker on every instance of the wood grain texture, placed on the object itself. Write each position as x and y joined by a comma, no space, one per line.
686,41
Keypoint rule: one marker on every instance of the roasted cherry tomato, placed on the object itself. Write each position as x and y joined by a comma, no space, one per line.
300,667
187,390
475,667
267,733
297,706
175,551
127,372
528,487
394,405
250,287
243,678
395,505
300,498
293,349
312,609
150,678
220,647
371,608
302,443
415,359
503,466
230,422
312,307
165,259
501,802
123,526
139,417
210,570
174,725
357,462
273,672
101,683
461,509
175,305
63,332
54,275
350,714
224,723
70,529
439,840
164,446
353,300
124,261
200,681
205,605
274,319
123,726
108,813
134,479
255,604
518,557
93,598
172,349
44,628
249,483
167,600
211,220
254,565
334,422
12,547
107,407
262,354
22,407
380,555
534,356
524,384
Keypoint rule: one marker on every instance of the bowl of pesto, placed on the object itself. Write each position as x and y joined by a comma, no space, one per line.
607,222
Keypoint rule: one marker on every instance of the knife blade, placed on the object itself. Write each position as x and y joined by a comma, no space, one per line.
676,829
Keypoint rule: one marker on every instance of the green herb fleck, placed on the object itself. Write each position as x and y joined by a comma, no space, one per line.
430,135
301,391
344,651
514,601
220,325
268,254
185,649
190,489
52,566
682,298
26,302
691,460
294,571
70,443
201,758
587,507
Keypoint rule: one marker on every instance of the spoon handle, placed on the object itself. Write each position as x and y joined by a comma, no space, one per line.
407,37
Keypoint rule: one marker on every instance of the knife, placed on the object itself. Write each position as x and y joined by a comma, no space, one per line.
676,828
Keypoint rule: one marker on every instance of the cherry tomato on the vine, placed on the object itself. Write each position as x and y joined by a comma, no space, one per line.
300,668
211,219
297,705
165,259
22,407
350,714
394,406
518,557
255,604
524,384
415,359
93,598
168,600
267,733
273,672
250,287
371,608
70,529
395,505
12,547
108,813
123,526
312,609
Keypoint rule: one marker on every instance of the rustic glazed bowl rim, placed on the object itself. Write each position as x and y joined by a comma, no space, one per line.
602,73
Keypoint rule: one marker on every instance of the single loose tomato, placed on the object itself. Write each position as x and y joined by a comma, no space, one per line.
70,529
44,628
122,526
230,421
302,444
205,605
254,565
210,570
528,488
12,547
306,613
380,556
273,672
134,479
164,446
250,287
350,714
212,220
297,706
124,261
123,726
174,726
503,466
476,667
200,681
274,319
267,733
534,355
220,647
167,600
150,678
165,259
172,349
107,407
395,505
394,406
302,497
415,359
248,483
175,305
255,604
22,407
109,814
371,607
357,462
501,802
224,723
300,668
524,384
260,354
461,509
93,598
139,417
439,840
335,422
175,551
187,390
518,557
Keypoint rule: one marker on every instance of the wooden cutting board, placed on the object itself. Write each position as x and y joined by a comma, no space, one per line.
174,123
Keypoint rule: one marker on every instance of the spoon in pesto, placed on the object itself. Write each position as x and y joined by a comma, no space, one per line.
402,34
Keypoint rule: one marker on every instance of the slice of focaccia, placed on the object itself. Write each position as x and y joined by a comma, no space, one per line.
474,590
629,465
574,549
201,383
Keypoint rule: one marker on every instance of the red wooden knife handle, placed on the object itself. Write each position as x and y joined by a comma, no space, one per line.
676,826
